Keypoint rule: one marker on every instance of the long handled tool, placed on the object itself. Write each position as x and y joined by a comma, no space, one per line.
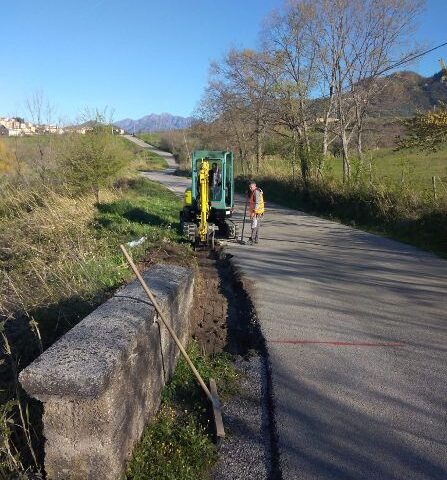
213,397
243,222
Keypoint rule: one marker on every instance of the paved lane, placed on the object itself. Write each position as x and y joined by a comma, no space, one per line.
356,329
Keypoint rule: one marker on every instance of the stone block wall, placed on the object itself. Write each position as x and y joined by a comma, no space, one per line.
102,381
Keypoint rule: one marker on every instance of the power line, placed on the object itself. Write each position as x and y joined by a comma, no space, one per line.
411,58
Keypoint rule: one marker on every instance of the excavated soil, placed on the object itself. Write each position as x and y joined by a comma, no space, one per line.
224,319
223,316
209,317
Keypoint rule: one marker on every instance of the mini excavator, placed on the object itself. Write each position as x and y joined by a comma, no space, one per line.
209,202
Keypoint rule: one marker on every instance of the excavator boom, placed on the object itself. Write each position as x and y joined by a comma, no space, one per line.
204,200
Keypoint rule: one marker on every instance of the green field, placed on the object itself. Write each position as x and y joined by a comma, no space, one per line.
151,138
384,166
413,167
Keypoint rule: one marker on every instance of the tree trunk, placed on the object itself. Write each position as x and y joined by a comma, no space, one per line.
294,158
359,145
258,148
304,162
345,156
359,134
241,156
305,127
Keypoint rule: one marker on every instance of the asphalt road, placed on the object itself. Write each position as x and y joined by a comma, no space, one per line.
356,329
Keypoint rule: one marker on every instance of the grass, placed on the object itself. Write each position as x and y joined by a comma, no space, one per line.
155,161
177,444
151,138
144,159
413,168
68,246
174,446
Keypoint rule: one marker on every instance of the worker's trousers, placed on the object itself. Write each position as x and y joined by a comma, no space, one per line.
255,225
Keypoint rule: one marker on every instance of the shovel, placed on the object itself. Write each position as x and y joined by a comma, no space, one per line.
212,395
243,223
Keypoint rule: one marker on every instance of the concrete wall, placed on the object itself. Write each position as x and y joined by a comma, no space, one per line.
101,382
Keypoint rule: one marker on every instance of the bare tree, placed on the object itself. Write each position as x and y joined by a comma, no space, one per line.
41,112
226,121
293,55
382,30
247,75
357,41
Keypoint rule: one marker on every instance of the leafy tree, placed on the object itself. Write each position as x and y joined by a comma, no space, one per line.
426,131
94,160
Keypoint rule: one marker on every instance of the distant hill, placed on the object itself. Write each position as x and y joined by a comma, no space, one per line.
154,123
405,93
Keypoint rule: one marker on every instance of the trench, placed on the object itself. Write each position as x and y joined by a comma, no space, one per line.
224,319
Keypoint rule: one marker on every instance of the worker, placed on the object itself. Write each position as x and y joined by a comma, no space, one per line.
256,197
215,182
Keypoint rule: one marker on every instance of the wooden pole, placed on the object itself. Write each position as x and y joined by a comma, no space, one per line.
213,400
433,180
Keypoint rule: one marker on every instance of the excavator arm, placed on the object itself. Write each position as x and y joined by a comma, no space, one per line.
204,204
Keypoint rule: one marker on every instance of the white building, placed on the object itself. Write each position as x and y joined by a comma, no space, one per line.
15,127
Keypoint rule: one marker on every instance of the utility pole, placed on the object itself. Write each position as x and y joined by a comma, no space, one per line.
443,70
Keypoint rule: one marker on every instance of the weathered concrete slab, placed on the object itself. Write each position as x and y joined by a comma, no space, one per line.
101,382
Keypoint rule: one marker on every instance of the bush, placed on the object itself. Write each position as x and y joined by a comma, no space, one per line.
94,160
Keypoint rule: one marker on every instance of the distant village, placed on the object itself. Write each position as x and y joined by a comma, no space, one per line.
18,127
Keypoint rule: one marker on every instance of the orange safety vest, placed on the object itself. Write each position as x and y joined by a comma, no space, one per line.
260,209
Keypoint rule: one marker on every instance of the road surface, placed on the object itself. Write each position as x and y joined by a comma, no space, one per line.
356,329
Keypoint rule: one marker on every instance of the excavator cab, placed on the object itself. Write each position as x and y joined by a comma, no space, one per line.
209,202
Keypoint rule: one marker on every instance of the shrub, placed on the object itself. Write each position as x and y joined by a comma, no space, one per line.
94,160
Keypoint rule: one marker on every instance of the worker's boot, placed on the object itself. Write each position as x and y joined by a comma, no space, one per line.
252,236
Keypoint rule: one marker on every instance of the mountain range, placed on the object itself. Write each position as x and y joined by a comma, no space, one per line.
154,123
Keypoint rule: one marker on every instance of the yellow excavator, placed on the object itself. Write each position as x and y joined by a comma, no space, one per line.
209,202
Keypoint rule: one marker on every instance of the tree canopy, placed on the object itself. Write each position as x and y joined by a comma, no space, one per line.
426,131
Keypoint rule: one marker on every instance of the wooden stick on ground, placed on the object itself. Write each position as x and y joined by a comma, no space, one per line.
214,399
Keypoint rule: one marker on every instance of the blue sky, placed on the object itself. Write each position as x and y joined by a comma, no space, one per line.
137,56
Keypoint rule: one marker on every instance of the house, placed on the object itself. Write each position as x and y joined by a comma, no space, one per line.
16,126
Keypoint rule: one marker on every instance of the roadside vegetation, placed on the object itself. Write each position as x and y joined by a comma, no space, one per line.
61,224
178,442
154,139
144,159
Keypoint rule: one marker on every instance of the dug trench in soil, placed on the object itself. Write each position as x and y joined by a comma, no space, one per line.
224,319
